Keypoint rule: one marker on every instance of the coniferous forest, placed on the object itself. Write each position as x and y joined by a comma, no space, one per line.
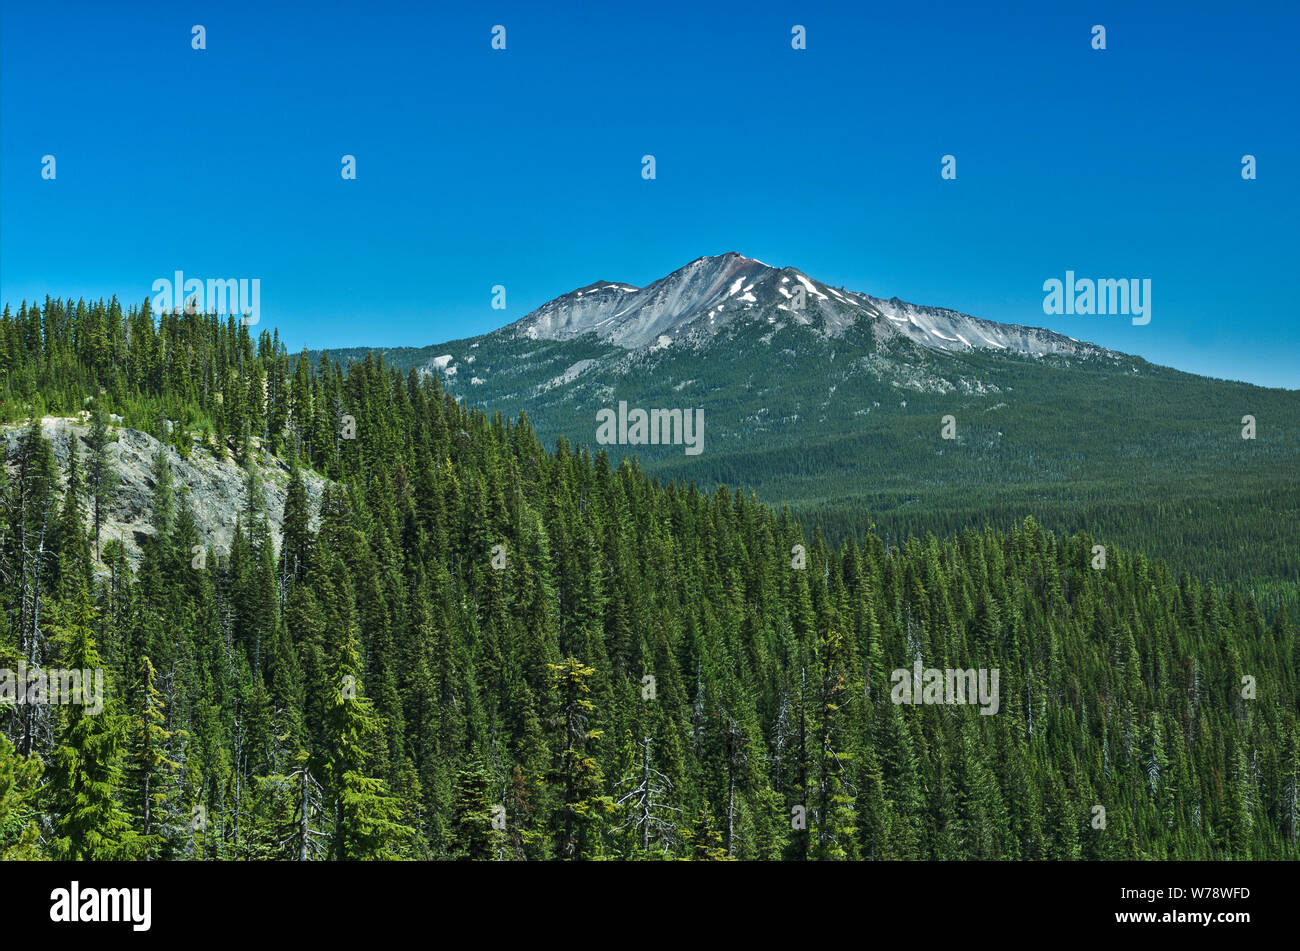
474,646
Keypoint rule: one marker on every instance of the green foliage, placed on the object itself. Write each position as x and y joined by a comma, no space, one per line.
88,821
19,830
644,675
472,833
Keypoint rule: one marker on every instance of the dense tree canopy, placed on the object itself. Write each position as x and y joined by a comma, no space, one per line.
474,648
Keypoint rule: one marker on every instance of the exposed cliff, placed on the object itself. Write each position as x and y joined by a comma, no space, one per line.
214,488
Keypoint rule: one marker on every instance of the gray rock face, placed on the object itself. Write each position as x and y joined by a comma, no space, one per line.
696,301
214,489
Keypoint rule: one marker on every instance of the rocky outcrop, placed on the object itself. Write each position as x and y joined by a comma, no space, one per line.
214,488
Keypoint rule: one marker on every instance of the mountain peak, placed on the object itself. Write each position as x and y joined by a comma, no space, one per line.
728,257
634,317
596,286
715,291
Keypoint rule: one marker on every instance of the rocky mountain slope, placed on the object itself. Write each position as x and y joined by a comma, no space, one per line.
215,488
713,292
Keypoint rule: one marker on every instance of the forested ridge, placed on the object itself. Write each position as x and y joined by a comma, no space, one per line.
487,650
845,429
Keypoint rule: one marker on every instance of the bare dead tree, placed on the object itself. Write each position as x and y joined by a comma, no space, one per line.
646,806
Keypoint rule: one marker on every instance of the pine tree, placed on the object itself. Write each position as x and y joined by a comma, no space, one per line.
705,840
85,765
19,829
577,775
366,817
152,796
473,832
69,536
101,478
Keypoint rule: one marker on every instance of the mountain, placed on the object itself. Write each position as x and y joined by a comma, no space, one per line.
834,402
710,294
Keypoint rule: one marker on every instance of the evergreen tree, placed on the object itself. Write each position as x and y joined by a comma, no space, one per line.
85,774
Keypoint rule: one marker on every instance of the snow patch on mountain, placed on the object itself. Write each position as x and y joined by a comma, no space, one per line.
687,308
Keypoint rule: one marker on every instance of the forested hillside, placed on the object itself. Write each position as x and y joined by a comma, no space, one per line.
492,651
845,429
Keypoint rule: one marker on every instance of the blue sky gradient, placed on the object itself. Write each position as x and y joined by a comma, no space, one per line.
522,168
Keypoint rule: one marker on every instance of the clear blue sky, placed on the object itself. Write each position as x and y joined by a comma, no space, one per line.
522,167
